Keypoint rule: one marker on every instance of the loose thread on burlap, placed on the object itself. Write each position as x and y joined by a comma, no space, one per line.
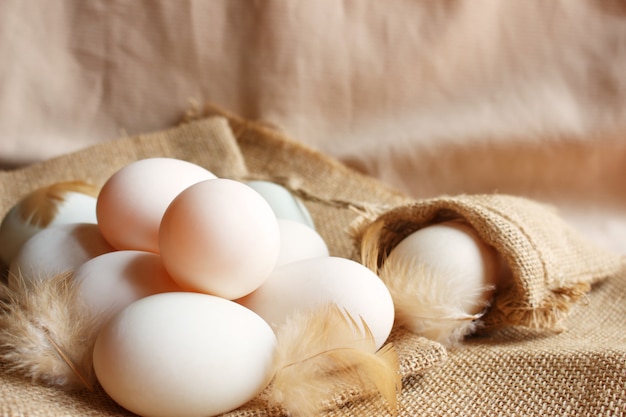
366,210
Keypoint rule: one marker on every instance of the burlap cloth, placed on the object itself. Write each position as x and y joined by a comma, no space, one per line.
513,371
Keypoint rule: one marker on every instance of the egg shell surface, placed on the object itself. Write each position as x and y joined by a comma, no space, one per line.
110,282
219,237
284,204
59,203
131,203
308,284
455,253
298,241
184,355
57,249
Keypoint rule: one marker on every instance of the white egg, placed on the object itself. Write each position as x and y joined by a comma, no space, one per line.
57,249
132,201
441,278
110,282
284,204
59,203
308,284
298,242
457,254
184,355
220,237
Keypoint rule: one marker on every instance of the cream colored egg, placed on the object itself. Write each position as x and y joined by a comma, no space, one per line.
219,237
308,284
284,204
441,278
110,282
58,249
184,355
59,203
298,242
133,200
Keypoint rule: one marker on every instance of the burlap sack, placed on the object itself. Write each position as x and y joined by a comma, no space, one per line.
509,372
552,266
256,151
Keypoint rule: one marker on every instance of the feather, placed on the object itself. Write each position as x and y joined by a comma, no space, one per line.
324,353
41,206
46,333
428,305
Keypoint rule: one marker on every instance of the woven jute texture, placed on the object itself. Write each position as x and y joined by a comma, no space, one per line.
510,371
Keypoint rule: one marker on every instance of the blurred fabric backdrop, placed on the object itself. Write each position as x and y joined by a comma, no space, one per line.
432,97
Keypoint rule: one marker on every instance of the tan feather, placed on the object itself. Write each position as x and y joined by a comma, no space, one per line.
369,237
39,207
427,305
323,355
46,333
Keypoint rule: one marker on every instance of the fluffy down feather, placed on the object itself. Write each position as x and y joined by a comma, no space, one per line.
428,305
46,333
325,353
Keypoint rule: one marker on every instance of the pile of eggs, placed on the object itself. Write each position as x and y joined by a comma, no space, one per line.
190,276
